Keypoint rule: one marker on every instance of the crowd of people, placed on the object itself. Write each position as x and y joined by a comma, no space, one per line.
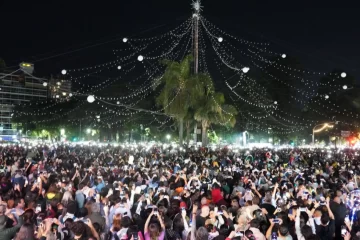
65,192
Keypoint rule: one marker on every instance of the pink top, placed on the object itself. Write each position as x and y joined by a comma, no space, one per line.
161,236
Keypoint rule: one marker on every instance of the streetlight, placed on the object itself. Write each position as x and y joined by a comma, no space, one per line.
88,131
168,137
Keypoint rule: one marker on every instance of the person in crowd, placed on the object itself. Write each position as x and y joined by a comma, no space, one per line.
159,192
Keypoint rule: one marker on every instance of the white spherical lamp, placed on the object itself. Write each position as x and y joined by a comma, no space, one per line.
245,69
45,84
275,102
326,96
119,67
283,55
63,72
343,74
220,39
117,102
125,40
140,58
70,94
345,87
57,96
91,98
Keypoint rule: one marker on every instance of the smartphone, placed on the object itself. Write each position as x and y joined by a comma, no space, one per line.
38,208
156,211
347,219
276,220
343,230
38,221
238,234
135,236
302,209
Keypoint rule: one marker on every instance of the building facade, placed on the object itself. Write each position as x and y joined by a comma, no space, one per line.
20,88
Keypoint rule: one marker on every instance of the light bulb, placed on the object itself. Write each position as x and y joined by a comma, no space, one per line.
326,96
63,72
343,74
275,102
90,99
283,55
344,87
119,67
140,58
125,40
45,84
117,102
245,69
57,96
70,94
220,39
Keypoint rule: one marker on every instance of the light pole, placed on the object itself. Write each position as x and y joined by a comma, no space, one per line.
324,126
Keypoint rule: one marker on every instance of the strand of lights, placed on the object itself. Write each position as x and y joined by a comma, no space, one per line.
58,116
307,82
303,71
272,127
156,38
233,68
104,84
255,98
243,41
38,110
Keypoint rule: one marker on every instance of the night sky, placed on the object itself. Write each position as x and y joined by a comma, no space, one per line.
323,34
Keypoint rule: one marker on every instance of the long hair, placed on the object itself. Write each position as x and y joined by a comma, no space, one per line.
154,231
67,197
26,232
116,223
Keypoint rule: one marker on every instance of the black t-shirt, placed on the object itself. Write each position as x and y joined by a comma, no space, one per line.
200,221
326,232
269,208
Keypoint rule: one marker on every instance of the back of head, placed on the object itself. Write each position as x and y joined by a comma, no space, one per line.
78,228
255,223
26,232
306,231
283,230
313,237
202,234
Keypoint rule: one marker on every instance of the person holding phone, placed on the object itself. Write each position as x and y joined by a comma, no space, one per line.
152,230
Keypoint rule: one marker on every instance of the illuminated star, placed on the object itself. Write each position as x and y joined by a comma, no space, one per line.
196,5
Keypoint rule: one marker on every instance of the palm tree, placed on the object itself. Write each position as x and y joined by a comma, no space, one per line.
213,110
188,97
177,94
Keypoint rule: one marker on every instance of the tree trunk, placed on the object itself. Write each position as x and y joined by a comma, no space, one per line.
195,134
181,131
203,134
187,132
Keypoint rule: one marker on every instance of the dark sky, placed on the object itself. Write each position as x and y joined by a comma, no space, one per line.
323,34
